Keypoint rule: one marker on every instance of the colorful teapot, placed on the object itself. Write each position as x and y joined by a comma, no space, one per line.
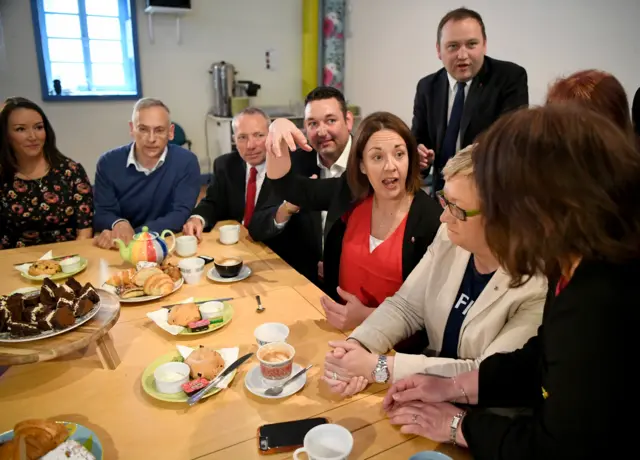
146,247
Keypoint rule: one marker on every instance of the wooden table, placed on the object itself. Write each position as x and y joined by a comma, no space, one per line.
132,425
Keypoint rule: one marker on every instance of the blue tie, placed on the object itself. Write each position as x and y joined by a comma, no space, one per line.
451,135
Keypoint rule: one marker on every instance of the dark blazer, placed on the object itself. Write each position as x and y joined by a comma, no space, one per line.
334,196
226,192
498,87
575,374
635,112
299,243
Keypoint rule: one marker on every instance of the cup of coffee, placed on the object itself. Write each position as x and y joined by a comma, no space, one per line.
229,234
326,442
271,332
186,245
229,267
191,269
276,361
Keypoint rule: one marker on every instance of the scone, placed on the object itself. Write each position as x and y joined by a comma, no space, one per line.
143,275
205,363
183,314
159,284
44,267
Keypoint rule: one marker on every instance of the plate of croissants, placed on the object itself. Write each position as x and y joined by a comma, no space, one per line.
146,283
50,440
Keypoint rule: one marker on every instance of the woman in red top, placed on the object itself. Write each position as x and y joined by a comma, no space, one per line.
379,222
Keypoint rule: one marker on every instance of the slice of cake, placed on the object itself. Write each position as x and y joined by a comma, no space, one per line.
38,313
47,292
46,323
69,450
21,329
74,285
5,316
89,292
15,305
31,300
63,317
82,307
65,292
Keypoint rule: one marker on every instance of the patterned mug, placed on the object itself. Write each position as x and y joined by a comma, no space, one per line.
276,361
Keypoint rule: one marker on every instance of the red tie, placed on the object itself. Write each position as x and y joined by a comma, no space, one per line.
250,203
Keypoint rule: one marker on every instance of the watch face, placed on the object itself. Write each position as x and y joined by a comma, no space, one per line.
380,375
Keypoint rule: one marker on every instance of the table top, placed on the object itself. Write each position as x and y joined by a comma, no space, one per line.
132,425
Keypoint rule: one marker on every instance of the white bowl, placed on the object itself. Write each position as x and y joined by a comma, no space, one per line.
169,377
211,309
71,264
270,333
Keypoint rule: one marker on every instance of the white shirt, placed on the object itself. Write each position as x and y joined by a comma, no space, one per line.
261,169
132,160
453,89
336,170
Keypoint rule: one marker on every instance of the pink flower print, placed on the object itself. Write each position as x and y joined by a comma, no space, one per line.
84,208
56,188
17,208
77,197
13,195
53,219
84,188
19,186
327,27
44,206
51,198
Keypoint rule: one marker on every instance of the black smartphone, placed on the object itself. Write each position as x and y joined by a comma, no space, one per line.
207,259
285,436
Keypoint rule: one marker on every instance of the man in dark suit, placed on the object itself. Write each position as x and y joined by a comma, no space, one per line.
238,187
299,240
455,104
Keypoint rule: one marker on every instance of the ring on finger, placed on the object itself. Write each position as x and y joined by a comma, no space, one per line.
334,375
414,418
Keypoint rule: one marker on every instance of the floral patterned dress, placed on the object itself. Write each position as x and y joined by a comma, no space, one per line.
47,210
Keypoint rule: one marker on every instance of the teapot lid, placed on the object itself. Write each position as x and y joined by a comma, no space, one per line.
145,235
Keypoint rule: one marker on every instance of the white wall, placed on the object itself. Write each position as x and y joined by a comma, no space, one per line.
391,44
238,31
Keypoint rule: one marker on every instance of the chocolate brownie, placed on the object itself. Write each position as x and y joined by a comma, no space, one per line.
47,292
89,292
82,307
5,315
65,292
20,329
63,317
74,285
15,305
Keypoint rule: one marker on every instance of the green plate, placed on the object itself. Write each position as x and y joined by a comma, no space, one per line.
227,314
58,276
149,381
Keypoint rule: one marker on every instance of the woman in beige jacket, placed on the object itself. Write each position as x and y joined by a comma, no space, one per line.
457,292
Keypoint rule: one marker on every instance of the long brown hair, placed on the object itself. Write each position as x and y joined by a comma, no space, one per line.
556,183
595,90
377,121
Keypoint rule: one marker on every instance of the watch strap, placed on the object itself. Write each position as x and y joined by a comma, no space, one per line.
455,425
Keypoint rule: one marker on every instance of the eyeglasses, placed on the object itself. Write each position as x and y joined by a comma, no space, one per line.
455,211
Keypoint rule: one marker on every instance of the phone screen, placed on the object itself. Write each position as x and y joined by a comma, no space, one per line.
286,434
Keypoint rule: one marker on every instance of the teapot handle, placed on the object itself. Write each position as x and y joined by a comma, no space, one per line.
173,242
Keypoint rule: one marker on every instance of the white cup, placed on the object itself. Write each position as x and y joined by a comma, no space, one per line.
191,269
326,442
186,245
271,332
229,234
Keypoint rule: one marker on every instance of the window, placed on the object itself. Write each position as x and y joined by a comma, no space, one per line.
87,49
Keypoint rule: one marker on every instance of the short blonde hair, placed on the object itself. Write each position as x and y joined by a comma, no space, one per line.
459,165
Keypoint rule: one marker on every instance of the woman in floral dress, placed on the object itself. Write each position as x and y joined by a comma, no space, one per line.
44,196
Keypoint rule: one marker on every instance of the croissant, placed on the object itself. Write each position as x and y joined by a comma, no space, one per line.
39,436
158,285
122,278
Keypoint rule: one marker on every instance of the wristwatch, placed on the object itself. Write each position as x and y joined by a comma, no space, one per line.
381,372
455,424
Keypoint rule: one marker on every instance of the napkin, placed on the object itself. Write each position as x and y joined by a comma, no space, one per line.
161,318
24,268
230,355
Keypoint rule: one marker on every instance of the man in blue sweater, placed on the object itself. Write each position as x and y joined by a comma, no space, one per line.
146,183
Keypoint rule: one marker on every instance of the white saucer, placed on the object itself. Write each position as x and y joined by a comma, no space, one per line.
213,275
257,385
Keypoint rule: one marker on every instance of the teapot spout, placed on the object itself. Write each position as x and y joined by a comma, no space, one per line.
125,252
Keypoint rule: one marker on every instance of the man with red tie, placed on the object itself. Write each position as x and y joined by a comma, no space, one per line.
238,185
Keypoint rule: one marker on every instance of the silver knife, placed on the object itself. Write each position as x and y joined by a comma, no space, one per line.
196,397
53,258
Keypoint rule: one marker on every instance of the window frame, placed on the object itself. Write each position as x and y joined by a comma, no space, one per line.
42,52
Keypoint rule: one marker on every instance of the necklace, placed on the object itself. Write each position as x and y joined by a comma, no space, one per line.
36,180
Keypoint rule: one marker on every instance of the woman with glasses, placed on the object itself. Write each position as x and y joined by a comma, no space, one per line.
458,293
